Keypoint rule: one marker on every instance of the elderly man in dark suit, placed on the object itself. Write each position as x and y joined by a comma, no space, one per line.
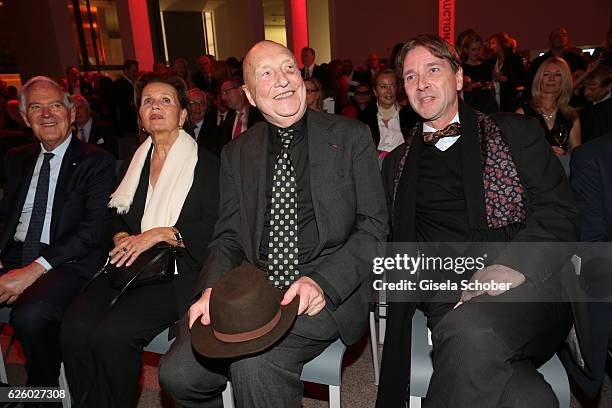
240,116
341,218
463,176
204,123
51,224
596,120
90,130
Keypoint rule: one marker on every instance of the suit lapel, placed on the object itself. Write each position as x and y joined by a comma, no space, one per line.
252,183
70,162
322,155
472,168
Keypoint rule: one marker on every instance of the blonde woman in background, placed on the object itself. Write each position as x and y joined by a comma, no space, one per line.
552,89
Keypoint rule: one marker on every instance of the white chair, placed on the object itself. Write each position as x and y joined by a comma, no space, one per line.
325,369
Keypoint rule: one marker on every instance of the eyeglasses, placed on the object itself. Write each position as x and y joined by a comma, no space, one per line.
226,91
311,90
359,93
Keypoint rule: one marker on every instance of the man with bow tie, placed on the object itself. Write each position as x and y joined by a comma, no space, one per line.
51,224
465,177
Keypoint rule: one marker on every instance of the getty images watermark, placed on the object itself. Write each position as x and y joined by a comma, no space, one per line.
410,265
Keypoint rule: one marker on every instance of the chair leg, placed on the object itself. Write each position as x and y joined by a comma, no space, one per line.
374,345
63,383
3,376
334,396
382,323
228,396
415,402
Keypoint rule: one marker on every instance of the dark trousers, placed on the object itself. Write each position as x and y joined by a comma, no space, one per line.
270,379
486,352
36,317
102,346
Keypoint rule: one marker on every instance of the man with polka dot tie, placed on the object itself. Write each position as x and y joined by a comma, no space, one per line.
301,199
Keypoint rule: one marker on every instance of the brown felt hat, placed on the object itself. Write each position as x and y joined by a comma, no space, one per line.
245,315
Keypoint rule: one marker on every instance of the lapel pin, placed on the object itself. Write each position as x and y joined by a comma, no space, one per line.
335,146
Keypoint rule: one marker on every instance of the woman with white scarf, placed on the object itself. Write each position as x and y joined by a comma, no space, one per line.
169,195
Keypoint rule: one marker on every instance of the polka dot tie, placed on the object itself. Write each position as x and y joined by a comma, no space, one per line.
282,248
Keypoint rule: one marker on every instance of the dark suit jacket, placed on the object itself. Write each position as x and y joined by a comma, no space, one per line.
212,85
208,129
104,135
86,180
125,110
596,120
349,208
551,217
10,139
196,222
591,177
408,118
223,133
317,72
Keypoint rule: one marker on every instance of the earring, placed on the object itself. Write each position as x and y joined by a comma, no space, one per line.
180,127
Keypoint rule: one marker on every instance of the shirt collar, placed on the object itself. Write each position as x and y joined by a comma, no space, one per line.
299,127
427,128
605,98
60,150
128,79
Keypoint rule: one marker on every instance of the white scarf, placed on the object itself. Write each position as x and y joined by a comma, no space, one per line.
173,184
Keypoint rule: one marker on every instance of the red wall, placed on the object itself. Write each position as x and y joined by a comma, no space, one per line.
362,26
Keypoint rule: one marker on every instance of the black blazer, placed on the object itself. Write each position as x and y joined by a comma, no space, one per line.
596,120
348,201
317,72
223,133
125,109
104,135
86,180
551,217
195,223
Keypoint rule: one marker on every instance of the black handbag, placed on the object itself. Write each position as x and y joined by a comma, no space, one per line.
153,265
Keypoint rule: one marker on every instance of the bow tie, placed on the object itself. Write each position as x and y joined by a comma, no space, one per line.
431,138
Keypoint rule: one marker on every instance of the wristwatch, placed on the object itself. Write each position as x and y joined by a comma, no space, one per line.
177,236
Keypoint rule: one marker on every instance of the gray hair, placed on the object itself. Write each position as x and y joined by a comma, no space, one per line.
80,98
23,103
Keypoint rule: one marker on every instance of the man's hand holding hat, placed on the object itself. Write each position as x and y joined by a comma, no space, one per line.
312,300
200,308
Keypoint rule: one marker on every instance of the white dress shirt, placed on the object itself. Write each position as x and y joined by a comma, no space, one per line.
390,135
26,212
446,142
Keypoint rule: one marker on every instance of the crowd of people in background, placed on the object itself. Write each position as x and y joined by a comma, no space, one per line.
561,88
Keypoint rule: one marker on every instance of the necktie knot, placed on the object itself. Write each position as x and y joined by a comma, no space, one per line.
286,136
431,138
48,156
